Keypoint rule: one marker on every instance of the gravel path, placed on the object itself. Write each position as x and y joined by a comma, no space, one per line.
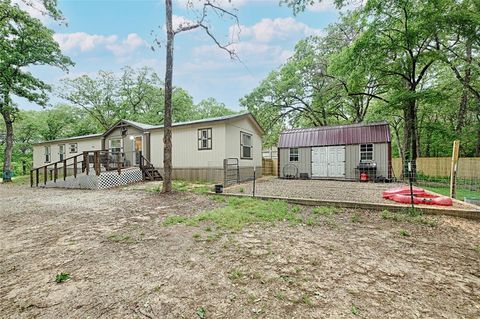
320,189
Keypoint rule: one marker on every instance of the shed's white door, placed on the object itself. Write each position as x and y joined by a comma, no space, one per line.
328,161
336,161
319,162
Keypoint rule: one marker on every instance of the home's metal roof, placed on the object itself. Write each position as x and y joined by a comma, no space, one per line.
66,139
213,119
148,127
336,135
142,126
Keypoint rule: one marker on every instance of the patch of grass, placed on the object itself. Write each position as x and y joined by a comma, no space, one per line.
242,190
186,186
201,313
477,249
324,210
175,219
461,193
296,209
310,222
414,217
208,229
197,235
62,277
240,212
404,233
280,296
355,311
124,239
355,218
306,300
236,274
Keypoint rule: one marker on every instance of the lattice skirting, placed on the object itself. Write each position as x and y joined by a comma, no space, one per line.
113,179
105,180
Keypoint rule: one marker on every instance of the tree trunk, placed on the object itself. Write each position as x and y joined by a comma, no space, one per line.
465,90
167,120
7,159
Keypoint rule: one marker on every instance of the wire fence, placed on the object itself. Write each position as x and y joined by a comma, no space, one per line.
434,173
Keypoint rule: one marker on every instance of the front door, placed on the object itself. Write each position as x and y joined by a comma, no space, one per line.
319,162
138,148
328,161
336,161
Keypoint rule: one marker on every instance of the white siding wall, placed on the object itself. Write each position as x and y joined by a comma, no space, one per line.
232,145
185,153
85,144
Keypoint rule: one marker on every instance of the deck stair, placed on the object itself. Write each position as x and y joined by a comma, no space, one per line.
150,173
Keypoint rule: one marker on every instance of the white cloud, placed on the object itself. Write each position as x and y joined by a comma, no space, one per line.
86,42
82,40
269,30
130,44
180,22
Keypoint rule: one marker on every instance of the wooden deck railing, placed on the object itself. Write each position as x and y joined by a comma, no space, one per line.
96,161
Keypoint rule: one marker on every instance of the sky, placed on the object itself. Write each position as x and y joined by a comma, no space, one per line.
111,34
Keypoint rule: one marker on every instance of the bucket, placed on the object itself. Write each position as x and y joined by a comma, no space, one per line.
218,188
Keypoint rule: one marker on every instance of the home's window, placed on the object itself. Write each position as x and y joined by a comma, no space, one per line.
48,154
294,155
205,139
246,145
61,152
366,152
115,145
73,147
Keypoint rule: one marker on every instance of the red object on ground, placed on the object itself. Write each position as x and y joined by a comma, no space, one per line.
402,190
420,196
363,177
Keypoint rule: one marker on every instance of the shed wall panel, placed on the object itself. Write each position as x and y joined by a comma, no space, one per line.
380,155
352,158
304,163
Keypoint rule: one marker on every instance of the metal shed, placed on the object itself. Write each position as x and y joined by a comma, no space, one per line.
336,152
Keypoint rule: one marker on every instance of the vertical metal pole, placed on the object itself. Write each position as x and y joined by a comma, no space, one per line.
411,182
254,173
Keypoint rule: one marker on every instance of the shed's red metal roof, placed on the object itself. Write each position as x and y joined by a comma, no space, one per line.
336,135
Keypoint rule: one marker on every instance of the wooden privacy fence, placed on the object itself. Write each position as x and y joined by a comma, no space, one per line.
269,167
468,167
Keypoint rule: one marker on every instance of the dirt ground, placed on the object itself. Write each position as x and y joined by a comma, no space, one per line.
124,263
323,190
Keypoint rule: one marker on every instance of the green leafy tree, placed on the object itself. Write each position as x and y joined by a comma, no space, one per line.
24,42
210,107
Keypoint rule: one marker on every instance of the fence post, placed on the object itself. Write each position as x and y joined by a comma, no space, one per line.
254,171
453,168
37,177
87,164
31,178
119,168
96,162
55,172
75,167
45,176
64,169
